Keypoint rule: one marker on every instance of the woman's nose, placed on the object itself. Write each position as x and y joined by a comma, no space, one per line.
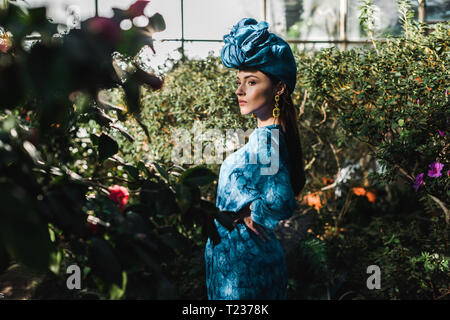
239,90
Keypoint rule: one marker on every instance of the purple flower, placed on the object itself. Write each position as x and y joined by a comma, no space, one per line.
435,169
441,133
418,182
446,92
448,173
418,101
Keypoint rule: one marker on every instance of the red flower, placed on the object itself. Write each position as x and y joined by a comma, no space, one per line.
119,195
105,28
137,8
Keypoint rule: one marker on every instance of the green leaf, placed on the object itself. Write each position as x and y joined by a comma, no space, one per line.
141,166
183,195
94,138
55,261
197,176
135,223
116,292
156,23
104,262
107,147
166,203
162,171
22,231
133,171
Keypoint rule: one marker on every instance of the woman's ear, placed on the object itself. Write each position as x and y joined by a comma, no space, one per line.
280,88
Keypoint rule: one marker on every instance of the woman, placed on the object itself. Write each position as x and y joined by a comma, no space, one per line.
249,262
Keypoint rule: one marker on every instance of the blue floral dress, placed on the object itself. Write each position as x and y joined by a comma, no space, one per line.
242,266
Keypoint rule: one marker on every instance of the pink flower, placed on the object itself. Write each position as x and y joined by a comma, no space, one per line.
448,173
435,169
418,182
418,101
119,195
441,133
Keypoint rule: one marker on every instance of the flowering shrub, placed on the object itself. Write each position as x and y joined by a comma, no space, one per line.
387,109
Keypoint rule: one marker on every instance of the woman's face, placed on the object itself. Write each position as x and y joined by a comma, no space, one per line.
255,92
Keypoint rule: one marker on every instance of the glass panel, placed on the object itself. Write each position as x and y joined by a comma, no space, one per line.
212,19
282,15
319,20
105,6
58,10
198,50
171,12
164,50
387,18
438,10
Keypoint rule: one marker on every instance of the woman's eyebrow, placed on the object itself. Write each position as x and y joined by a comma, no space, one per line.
248,77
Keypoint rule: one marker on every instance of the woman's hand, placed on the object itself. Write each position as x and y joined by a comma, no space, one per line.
244,215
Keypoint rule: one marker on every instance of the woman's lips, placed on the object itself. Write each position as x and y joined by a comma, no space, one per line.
242,103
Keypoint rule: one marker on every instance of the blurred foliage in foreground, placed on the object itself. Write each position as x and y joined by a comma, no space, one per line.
63,204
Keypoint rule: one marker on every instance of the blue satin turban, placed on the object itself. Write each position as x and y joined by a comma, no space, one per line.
251,45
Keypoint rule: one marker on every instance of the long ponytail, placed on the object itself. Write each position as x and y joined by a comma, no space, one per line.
288,117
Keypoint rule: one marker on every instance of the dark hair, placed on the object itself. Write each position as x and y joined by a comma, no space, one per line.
288,119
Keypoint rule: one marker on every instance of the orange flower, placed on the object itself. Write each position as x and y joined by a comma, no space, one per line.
359,191
362,192
419,80
313,200
370,196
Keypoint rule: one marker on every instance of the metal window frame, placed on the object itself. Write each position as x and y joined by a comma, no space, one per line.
343,28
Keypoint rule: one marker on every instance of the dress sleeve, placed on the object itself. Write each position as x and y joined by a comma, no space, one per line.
276,199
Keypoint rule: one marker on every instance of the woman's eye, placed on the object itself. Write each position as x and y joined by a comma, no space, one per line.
252,82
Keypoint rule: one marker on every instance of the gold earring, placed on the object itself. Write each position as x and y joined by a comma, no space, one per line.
276,110
253,115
